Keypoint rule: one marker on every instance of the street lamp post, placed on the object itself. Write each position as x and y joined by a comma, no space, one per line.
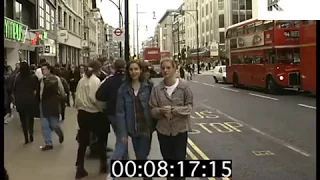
137,35
126,34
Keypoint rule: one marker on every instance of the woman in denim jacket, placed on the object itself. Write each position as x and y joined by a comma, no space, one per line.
133,114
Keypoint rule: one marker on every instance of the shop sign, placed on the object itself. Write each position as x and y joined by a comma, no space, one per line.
14,30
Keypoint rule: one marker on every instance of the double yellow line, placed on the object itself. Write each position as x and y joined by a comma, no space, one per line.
200,153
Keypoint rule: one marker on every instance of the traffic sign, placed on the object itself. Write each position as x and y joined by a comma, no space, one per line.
118,34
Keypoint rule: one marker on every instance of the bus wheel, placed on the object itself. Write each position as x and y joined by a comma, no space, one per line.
235,81
271,86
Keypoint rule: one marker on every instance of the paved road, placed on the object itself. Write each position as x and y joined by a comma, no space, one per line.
267,137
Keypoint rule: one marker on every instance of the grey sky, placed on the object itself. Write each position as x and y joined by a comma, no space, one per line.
110,14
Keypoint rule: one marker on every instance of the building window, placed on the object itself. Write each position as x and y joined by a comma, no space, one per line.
207,25
18,12
74,26
52,19
65,18
70,23
235,18
79,28
235,5
41,13
59,15
220,5
222,38
249,15
242,16
221,20
242,4
249,5
207,9
48,25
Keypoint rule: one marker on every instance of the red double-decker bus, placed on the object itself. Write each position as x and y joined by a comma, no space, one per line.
308,55
152,55
263,54
165,54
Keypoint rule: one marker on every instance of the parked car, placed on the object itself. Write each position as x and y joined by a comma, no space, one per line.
220,74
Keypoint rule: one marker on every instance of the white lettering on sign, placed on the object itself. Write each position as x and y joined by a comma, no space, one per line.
225,127
153,52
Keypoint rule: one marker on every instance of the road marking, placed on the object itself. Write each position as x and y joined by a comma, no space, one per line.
195,81
263,153
195,147
233,90
200,153
191,155
307,106
265,97
278,141
208,84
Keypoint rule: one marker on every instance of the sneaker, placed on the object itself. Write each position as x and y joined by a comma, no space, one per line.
6,121
46,147
61,139
109,177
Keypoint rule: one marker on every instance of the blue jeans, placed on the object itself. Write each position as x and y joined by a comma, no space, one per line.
48,124
141,146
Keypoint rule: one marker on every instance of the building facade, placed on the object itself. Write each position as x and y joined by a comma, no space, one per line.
70,22
165,25
112,46
20,27
178,32
47,23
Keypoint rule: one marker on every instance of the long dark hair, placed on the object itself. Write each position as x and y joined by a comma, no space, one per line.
141,66
93,67
24,70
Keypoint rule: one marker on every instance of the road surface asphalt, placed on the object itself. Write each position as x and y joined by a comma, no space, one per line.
266,137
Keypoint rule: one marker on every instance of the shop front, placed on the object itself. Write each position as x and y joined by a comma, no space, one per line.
17,42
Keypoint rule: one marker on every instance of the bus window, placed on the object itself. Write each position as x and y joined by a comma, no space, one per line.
250,28
259,26
288,56
241,59
287,24
234,33
248,59
268,25
229,34
240,31
270,56
234,59
306,22
233,44
258,59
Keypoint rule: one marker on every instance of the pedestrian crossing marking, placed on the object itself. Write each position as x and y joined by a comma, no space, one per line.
263,153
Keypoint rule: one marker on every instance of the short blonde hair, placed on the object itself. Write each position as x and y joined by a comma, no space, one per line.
173,62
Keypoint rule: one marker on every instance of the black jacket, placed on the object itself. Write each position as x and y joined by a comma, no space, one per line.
51,99
108,91
24,93
74,79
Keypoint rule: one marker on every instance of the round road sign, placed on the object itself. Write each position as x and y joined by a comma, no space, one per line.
118,32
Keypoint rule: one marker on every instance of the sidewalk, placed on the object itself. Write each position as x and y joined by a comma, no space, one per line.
29,162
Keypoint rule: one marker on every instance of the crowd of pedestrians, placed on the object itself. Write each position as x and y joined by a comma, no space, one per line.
106,94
